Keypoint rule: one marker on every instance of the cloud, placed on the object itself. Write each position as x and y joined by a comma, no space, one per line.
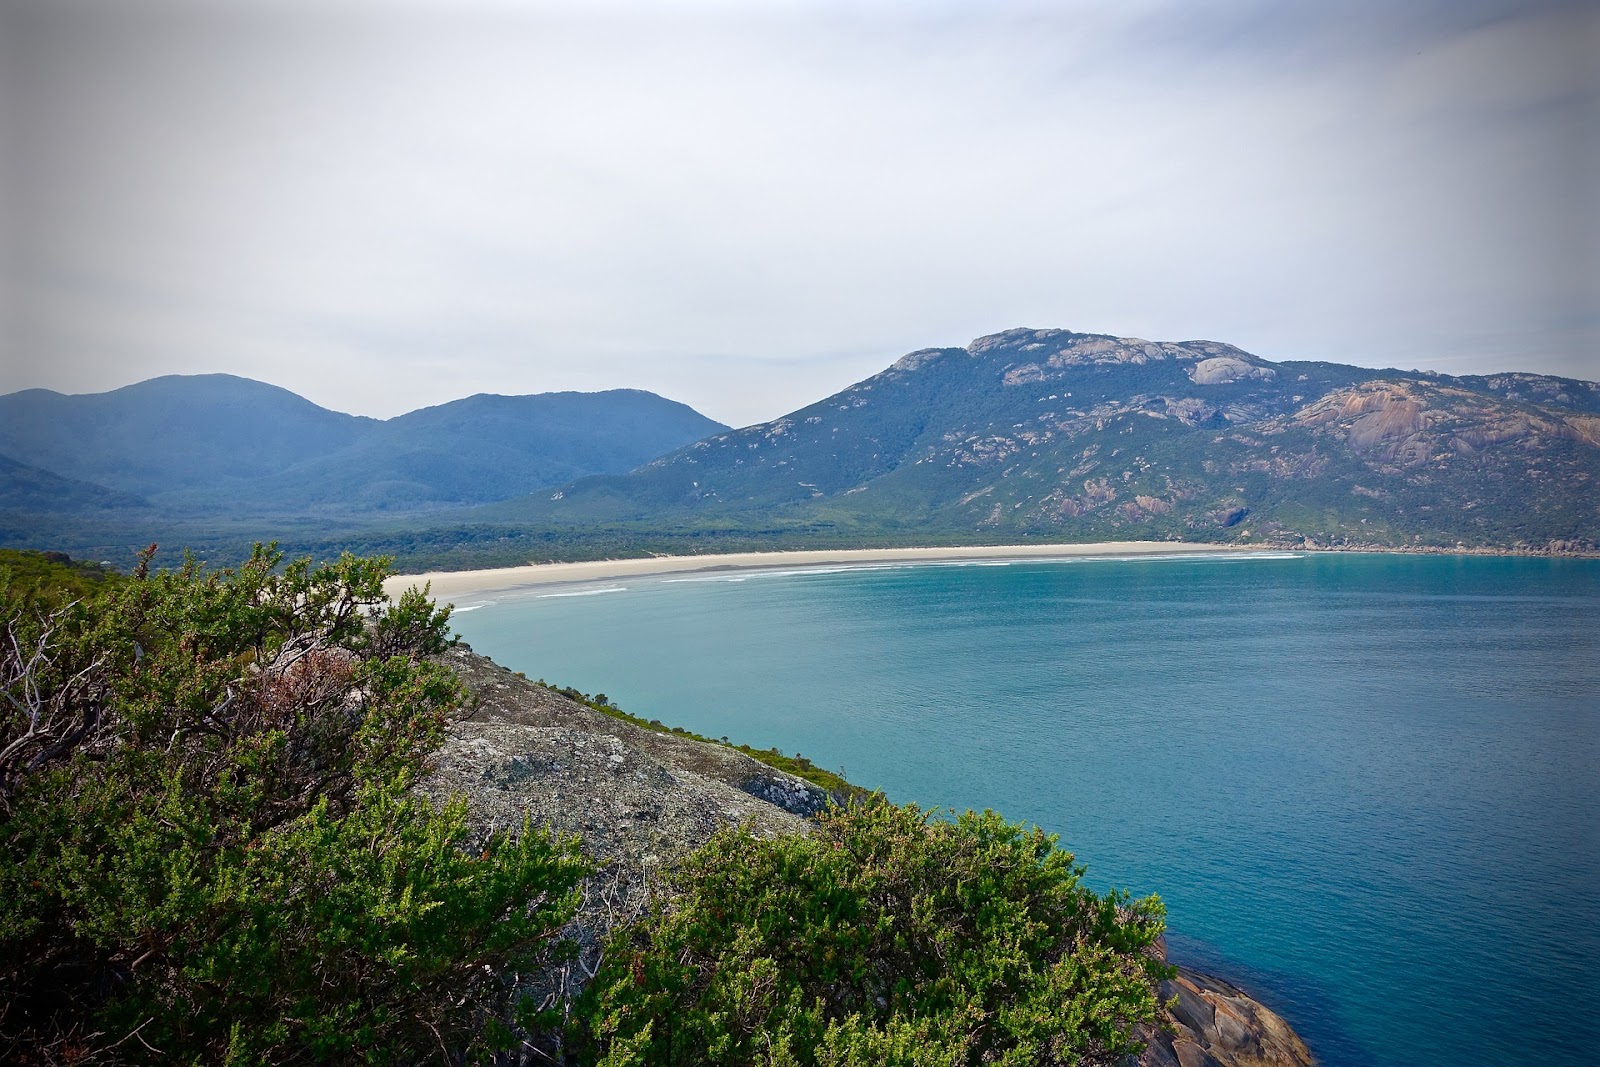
744,208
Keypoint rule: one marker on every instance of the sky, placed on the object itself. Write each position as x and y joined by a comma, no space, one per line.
748,206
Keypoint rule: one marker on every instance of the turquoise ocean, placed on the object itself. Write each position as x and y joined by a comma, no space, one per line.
1366,786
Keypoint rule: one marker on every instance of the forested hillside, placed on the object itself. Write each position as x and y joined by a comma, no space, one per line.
224,447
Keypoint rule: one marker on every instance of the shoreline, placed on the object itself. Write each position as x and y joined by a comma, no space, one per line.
446,584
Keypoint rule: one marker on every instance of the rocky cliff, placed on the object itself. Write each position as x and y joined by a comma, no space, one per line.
640,800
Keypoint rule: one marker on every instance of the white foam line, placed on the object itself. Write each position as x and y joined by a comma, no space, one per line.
846,568
582,592
897,565
794,572
1240,557
713,578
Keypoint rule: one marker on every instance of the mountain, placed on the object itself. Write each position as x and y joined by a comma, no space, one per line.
171,434
1051,434
25,488
225,445
487,447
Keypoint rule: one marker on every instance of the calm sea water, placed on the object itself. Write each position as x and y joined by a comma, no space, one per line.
1365,786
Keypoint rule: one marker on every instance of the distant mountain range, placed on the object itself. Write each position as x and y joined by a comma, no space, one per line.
1051,434
1026,435
219,444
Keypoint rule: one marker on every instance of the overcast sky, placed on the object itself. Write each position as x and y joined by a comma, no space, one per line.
747,206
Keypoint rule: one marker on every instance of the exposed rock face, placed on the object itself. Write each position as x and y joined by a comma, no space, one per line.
629,808
1215,1024
1412,423
640,801
1224,370
507,698
922,357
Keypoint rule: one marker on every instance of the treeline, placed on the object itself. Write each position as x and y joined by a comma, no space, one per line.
466,546
211,851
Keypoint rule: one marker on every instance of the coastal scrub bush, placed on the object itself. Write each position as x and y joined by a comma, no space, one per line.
884,936
52,573
210,851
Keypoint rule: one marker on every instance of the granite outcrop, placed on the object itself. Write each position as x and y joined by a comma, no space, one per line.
1213,1023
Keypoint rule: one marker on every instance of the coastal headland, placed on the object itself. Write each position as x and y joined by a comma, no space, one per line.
447,584
643,796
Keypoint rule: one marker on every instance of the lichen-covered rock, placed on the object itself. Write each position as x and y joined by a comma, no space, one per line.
504,697
639,801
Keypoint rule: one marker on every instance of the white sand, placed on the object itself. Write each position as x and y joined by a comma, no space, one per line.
448,585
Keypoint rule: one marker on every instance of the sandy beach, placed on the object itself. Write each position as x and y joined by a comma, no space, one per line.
448,585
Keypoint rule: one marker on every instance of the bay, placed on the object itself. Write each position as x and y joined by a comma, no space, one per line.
1364,785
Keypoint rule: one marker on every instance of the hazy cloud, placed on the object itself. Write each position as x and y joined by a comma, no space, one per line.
746,207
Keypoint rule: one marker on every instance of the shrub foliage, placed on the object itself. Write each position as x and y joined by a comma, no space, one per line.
211,852
885,936
209,849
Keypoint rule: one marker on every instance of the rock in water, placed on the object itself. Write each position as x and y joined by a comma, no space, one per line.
1212,1023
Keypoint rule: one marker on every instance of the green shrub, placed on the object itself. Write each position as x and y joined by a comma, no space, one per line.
52,574
209,849
884,936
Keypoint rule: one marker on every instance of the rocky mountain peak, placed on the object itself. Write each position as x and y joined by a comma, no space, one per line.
1036,433
922,357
